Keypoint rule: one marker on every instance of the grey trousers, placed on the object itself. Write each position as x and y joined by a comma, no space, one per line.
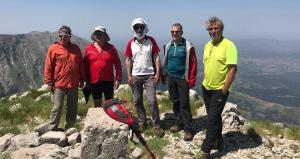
139,83
58,100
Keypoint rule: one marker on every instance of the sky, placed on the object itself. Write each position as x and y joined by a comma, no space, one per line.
243,19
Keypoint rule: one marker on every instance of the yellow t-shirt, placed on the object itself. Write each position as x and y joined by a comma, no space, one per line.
216,60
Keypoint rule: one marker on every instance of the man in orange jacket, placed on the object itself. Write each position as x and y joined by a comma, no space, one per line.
63,73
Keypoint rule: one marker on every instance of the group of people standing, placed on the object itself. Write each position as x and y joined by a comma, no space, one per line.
100,69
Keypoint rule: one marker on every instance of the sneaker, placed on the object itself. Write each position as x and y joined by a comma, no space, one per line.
174,128
159,131
188,136
201,155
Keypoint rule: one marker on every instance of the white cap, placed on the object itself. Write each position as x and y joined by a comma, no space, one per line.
140,21
102,29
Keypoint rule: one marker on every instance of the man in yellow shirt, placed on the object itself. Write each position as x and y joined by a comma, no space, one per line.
220,67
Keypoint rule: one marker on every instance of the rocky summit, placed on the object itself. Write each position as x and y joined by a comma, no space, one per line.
102,137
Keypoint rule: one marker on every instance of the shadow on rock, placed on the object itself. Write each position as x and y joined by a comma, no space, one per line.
235,140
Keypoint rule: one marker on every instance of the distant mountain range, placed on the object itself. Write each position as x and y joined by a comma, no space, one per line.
267,85
22,58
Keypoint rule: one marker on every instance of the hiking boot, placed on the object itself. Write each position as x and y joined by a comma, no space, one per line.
218,146
58,129
159,131
174,128
188,136
201,155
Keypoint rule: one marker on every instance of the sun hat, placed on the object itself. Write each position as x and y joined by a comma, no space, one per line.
102,29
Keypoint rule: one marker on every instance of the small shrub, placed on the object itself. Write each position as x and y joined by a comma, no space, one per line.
265,127
156,145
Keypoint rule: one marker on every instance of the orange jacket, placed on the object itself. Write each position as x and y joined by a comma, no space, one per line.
63,66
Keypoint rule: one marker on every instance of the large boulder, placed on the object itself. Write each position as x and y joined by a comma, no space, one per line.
103,137
54,137
24,140
44,151
5,141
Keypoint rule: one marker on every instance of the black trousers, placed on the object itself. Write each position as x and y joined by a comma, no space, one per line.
179,94
214,101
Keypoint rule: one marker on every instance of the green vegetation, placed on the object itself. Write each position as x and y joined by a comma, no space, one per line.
5,156
265,127
155,144
23,114
22,111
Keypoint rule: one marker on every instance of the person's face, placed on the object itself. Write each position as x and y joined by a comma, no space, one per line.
215,32
99,36
64,38
139,28
176,33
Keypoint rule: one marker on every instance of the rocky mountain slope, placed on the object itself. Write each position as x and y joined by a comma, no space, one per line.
22,59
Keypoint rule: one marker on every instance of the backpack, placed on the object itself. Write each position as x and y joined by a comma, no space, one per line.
114,108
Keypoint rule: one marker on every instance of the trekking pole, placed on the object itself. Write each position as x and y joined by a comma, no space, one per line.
142,140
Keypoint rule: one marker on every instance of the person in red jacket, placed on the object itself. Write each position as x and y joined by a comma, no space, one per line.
180,70
100,60
63,73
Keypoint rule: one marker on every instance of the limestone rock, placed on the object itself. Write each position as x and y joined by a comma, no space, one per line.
194,95
24,140
43,88
137,152
98,140
75,153
71,131
13,97
39,98
42,128
5,141
54,137
74,139
24,94
45,151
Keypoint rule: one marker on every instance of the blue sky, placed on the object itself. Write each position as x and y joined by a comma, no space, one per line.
243,19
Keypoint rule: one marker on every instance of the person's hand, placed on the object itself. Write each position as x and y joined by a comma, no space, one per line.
88,85
156,79
129,81
224,91
50,88
117,84
191,85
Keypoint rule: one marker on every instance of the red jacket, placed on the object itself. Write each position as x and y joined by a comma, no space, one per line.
99,66
63,66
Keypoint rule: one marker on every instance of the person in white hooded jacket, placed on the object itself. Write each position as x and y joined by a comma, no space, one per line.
143,71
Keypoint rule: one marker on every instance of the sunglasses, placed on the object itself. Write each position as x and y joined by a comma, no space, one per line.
64,35
137,27
213,28
173,32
